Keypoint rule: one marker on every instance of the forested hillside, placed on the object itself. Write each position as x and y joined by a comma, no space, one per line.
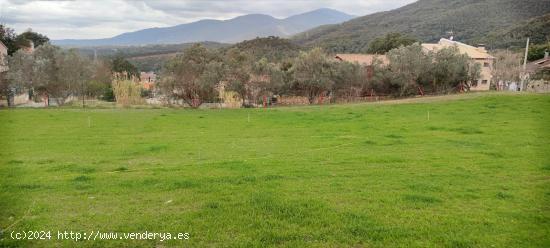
271,48
537,29
145,58
471,21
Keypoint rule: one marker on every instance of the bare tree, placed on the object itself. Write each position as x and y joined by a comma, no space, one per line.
507,67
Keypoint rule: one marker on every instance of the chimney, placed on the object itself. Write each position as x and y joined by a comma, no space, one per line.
481,47
546,54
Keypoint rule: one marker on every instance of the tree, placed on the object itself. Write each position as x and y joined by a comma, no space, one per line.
5,86
8,37
474,73
74,75
20,74
507,67
192,76
238,73
14,42
50,72
382,45
25,39
537,51
45,72
450,69
312,73
349,79
410,66
122,66
100,83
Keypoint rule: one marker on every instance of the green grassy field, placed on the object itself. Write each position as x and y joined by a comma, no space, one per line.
471,171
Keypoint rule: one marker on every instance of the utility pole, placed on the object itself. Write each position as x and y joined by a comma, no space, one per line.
524,76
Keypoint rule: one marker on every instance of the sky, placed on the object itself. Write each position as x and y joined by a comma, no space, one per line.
90,19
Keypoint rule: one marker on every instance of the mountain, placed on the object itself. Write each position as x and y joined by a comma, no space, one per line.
227,31
274,49
471,21
537,29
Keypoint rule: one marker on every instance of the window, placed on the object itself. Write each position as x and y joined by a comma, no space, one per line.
484,82
486,64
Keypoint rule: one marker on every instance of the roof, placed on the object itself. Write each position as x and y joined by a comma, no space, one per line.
539,64
471,51
362,59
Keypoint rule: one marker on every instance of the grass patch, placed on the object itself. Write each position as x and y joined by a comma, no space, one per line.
358,175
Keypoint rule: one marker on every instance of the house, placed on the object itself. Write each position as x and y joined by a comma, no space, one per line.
538,83
3,57
365,60
147,80
477,55
537,65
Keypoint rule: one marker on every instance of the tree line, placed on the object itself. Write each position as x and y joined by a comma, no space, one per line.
198,74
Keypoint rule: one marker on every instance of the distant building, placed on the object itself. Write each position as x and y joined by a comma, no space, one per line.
148,80
3,57
537,65
476,54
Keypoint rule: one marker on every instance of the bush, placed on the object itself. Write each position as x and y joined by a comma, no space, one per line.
127,92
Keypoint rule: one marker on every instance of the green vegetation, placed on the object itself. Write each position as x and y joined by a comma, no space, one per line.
272,48
199,75
515,37
471,21
121,65
147,57
192,76
382,45
470,171
536,52
14,41
55,75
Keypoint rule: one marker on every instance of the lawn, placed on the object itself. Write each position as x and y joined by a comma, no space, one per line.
469,171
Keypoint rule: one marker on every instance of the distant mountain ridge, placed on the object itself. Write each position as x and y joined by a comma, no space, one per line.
224,31
471,21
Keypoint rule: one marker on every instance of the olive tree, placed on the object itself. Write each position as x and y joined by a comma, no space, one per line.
450,69
410,66
238,73
349,79
312,73
51,72
74,75
192,76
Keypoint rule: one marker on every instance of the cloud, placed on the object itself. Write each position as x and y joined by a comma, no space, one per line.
61,19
